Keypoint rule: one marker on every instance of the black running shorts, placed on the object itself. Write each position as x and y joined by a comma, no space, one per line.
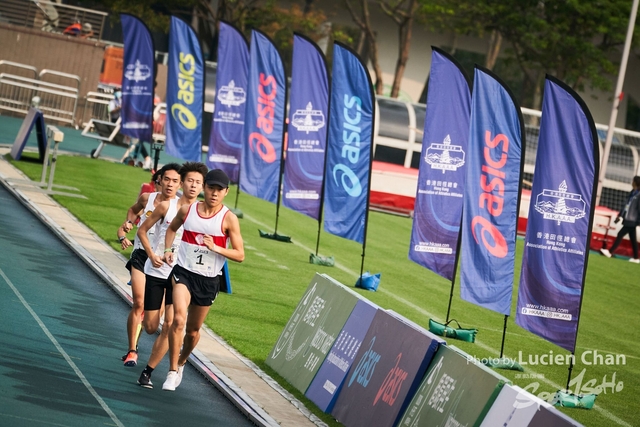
137,260
204,290
154,291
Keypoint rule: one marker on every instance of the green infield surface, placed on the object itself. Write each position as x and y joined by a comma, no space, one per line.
274,276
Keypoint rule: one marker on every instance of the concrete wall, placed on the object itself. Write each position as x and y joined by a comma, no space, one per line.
58,52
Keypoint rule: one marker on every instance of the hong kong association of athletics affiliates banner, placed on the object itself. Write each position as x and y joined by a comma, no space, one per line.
307,130
441,177
225,143
264,120
138,77
349,146
560,218
492,195
185,93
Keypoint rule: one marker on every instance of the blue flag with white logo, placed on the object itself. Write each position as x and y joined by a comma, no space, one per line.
138,77
264,120
441,177
307,139
185,93
350,141
490,214
560,218
225,143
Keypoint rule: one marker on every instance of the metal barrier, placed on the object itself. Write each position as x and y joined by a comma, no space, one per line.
57,102
398,140
52,17
27,69
97,104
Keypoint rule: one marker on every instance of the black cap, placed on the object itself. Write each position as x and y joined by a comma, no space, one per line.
217,177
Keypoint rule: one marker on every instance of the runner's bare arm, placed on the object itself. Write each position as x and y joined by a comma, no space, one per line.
135,211
177,222
231,226
159,212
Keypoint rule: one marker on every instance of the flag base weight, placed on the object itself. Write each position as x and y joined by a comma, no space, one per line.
321,260
570,400
275,236
502,363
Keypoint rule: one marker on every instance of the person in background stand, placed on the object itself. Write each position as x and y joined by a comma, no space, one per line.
630,216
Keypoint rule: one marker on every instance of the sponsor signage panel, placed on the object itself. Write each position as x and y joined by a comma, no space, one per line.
326,386
390,364
312,330
456,391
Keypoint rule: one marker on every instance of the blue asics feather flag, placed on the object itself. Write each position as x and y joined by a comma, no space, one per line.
560,218
307,130
349,146
138,77
264,120
492,193
225,143
441,177
185,93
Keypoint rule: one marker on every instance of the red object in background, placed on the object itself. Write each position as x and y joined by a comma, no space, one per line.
112,60
74,29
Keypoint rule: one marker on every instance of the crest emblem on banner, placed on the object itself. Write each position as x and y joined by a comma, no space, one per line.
232,96
137,72
560,205
308,120
445,156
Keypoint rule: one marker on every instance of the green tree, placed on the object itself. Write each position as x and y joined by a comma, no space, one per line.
576,41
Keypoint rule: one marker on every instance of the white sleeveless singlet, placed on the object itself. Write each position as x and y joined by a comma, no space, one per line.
193,255
146,213
157,244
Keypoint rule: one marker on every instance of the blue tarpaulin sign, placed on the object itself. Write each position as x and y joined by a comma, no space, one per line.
560,218
185,93
349,147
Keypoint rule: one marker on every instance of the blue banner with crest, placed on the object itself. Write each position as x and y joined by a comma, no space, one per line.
185,93
264,120
225,143
138,77
441,177
560,218
307,130
350,141
490,213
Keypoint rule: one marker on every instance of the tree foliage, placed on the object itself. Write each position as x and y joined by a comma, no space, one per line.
576,41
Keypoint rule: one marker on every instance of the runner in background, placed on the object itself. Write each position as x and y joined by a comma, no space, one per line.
208,227
143,208
157,286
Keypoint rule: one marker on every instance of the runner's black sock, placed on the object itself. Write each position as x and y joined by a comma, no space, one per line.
148,370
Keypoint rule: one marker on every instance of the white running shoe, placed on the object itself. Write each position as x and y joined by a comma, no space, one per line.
179,377
605,252
634,260
147,163
170,382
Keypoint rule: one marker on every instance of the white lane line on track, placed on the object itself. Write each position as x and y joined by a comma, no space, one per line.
62,352
421,310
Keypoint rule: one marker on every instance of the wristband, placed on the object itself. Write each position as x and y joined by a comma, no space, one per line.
168,250
120,239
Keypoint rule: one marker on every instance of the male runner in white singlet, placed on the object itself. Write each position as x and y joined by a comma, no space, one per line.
207,228
143,207
157,286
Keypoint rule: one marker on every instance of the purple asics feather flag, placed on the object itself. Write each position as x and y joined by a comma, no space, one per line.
560,218
349,146
185,93
307,138
441,179
492,195
138,77
264,120
225,143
